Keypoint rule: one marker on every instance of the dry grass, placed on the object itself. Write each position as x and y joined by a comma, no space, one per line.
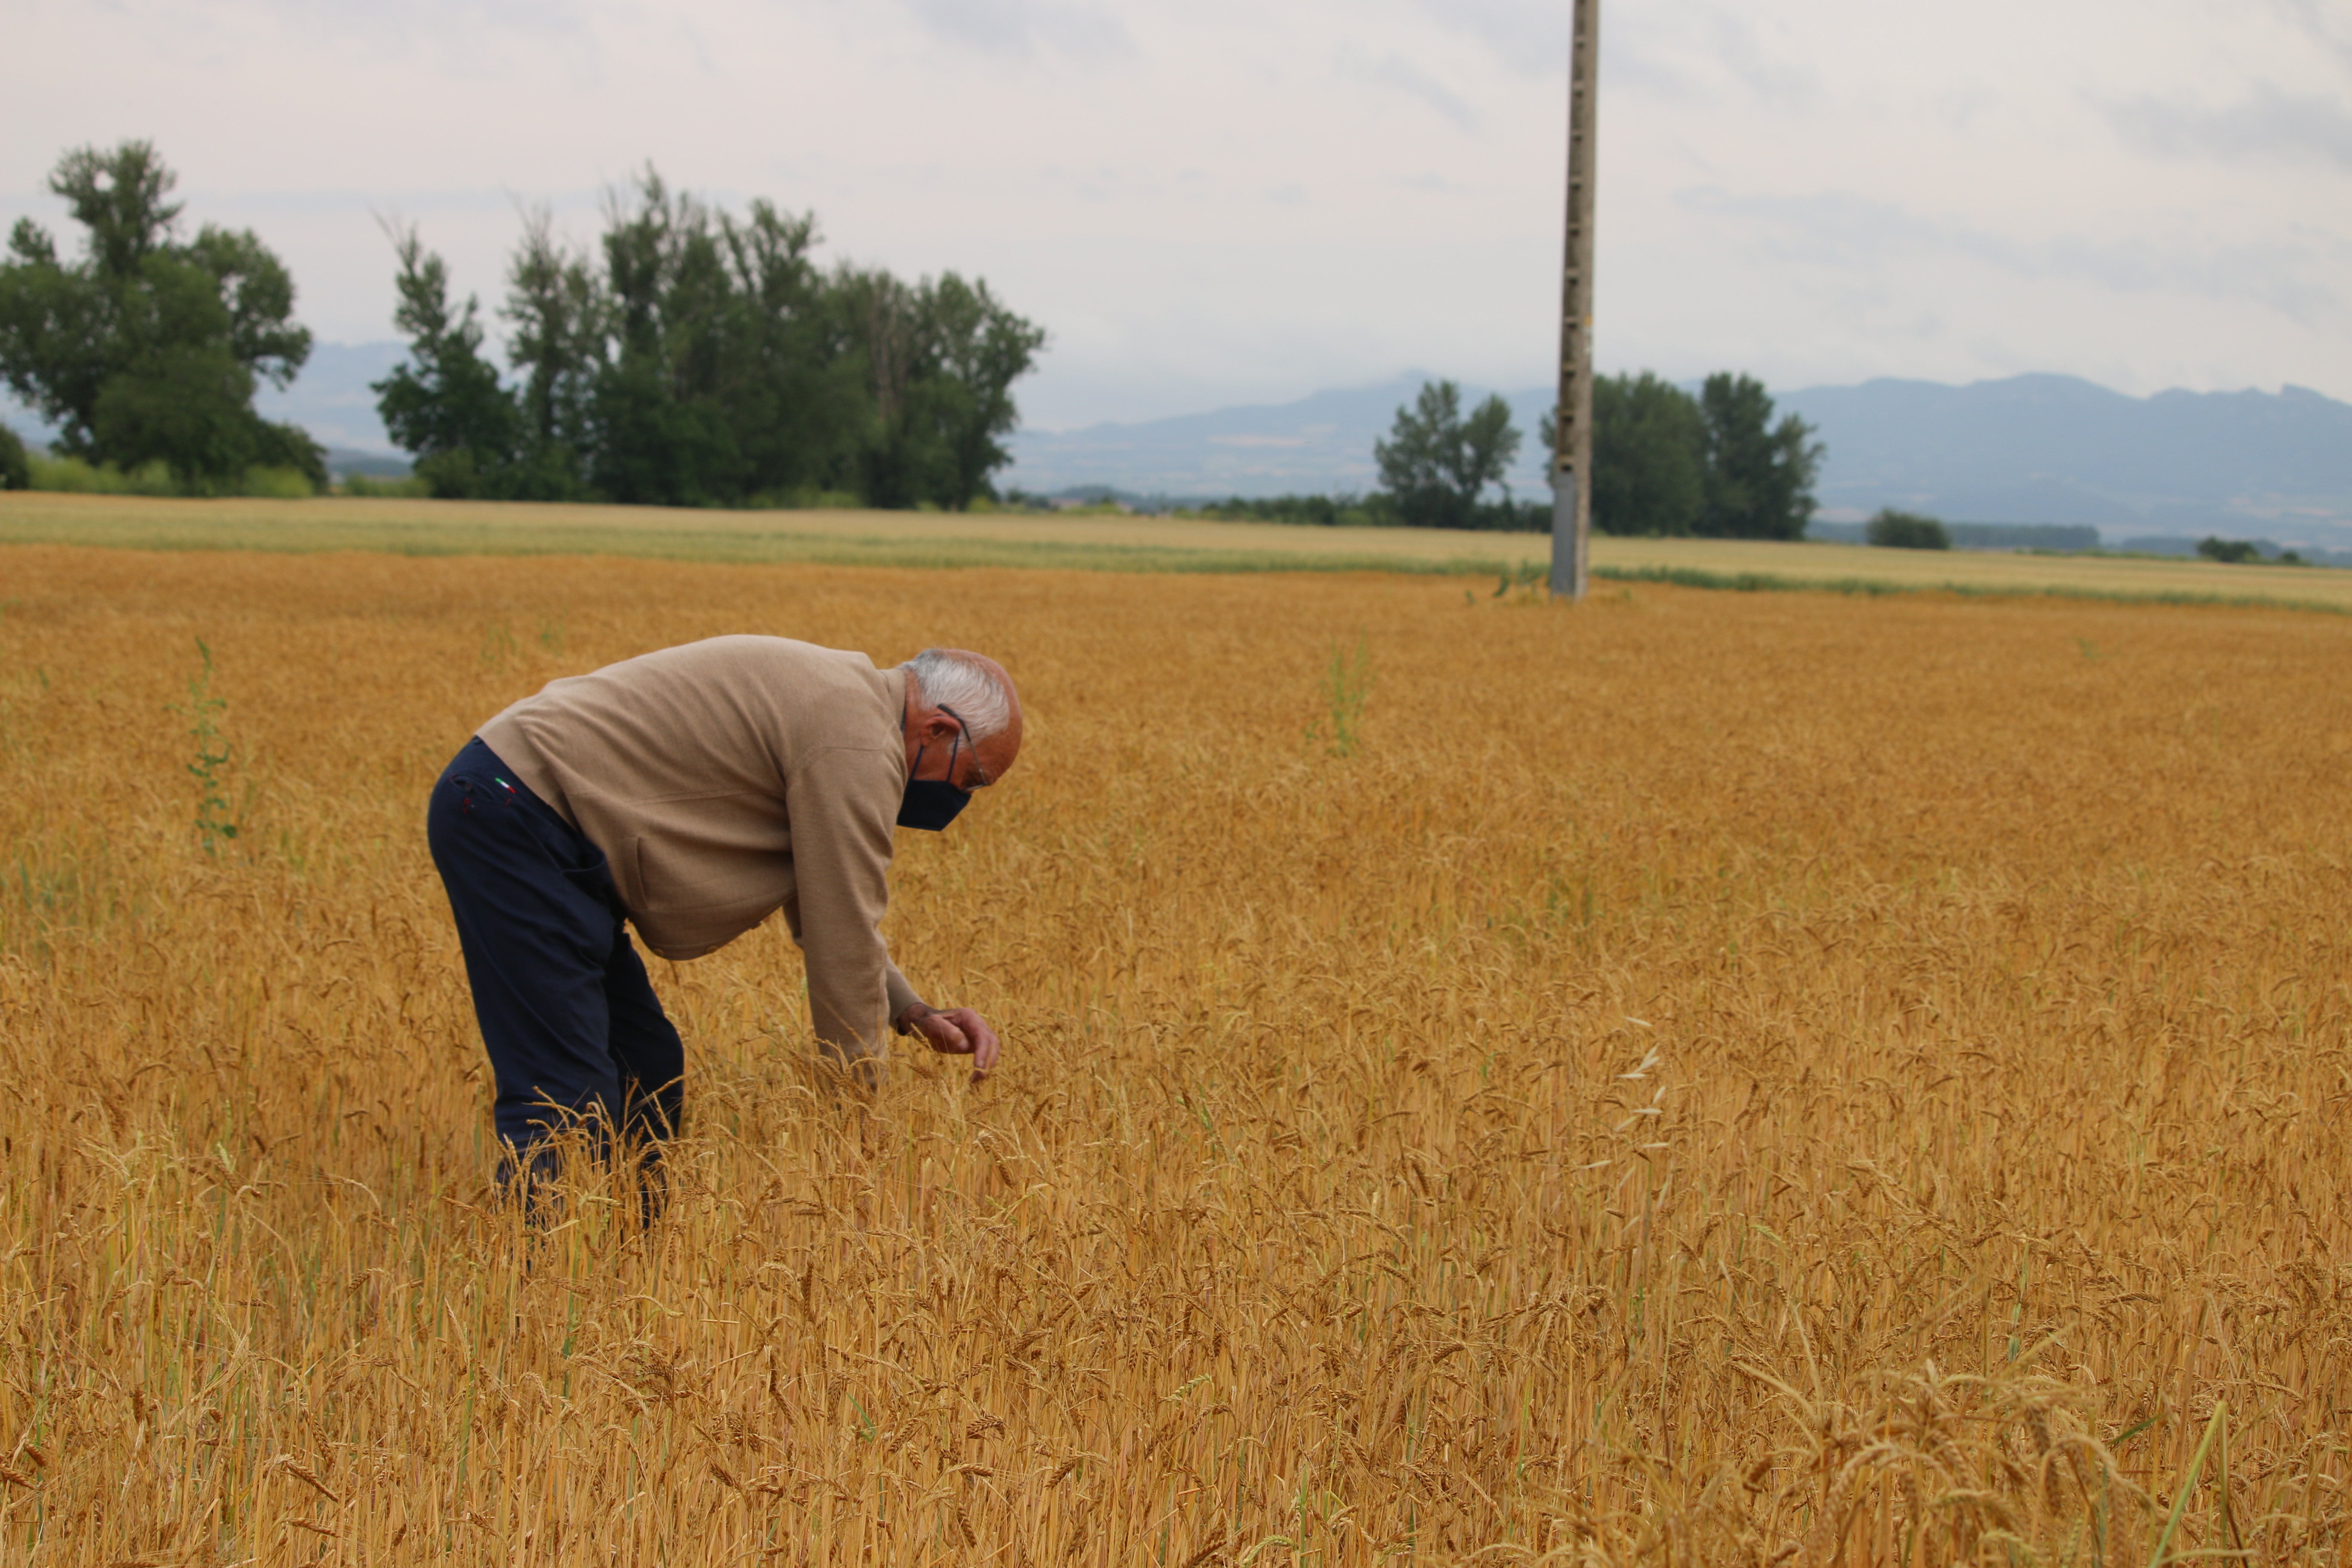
852,538
1114,544
1710,1079
1854,566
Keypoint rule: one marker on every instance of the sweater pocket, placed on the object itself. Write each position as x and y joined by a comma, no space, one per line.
673,878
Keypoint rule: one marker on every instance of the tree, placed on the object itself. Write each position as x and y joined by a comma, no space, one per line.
1436,464
941,359
881,318
1649,456
662,433
978,349
445,405
2229,551
15,463
148,349
1900,529
1760,474
557,312
797,394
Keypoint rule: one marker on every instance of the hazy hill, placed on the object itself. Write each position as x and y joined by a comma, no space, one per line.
331,398
2028,449
1322,443
2052,449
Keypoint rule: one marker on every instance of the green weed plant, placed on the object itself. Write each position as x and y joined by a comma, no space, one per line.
215,821
1346,686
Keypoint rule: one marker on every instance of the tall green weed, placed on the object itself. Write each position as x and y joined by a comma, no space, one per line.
1346,686
214,821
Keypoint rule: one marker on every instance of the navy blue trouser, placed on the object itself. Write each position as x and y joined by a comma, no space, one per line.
574,1028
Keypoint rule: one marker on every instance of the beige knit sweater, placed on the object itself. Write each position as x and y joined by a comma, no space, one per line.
725,780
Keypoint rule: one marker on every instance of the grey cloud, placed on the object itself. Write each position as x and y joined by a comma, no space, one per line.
2326,26
1843,230
1785,84
1666,55
465,18
1961,108
1528,36
1639,47
2266,124
1400,75
1025,27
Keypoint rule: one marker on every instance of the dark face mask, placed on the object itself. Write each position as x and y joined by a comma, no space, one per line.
931,803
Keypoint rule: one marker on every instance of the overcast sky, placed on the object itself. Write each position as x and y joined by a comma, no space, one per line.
1215,202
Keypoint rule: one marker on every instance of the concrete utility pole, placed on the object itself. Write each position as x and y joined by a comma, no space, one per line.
1571,459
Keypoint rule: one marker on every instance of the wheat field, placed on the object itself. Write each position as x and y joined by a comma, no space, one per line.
1694,1078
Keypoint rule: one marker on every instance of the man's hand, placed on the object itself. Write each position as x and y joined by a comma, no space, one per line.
958,1032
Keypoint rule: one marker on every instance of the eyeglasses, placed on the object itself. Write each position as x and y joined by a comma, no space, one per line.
979,779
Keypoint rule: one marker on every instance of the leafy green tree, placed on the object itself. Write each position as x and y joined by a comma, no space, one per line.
1760,476
659,437
445,404
882,318
557,313
797,393
1436,464
2229,551
1899,530
15,463
1649,456
941,358
149,349
977,350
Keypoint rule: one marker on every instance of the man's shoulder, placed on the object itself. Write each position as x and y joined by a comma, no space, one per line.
785,664
758,647
821,695
831,697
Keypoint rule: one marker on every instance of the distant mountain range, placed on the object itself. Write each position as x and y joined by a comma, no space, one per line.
2055,449
331,398
2027,449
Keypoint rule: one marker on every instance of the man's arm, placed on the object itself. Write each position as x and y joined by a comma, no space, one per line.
901,996
841,863
837,801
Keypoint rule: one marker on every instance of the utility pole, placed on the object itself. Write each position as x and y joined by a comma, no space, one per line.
1571,459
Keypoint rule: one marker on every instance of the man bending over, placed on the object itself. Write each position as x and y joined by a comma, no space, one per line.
692,793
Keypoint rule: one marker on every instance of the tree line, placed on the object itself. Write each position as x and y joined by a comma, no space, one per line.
696,358
693,357
1664,461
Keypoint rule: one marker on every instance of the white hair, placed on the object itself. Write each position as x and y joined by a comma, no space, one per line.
980,697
